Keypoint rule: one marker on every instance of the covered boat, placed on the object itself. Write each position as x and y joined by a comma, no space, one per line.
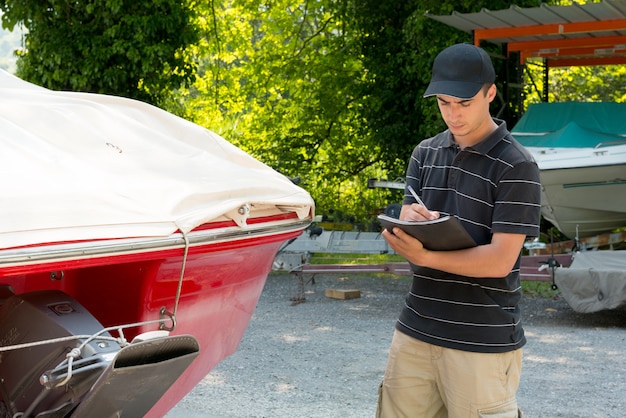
581,152
595,281
134,246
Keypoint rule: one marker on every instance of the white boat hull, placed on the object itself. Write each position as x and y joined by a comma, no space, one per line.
583,190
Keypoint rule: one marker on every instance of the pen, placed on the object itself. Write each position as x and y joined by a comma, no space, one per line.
416,196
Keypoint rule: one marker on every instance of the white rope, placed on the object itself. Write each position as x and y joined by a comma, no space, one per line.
88,338
73,354
182,273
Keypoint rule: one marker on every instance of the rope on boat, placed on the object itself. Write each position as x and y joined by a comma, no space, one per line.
72,355
87,337
164,311
122,341
182,273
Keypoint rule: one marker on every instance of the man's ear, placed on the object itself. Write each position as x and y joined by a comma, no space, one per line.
491,93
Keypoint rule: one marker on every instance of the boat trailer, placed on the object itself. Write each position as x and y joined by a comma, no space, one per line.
294,257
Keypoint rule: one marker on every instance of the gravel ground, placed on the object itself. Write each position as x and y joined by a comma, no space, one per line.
325,357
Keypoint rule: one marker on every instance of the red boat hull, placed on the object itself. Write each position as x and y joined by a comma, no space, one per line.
219,290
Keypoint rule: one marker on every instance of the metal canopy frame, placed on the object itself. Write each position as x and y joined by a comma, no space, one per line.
575,35
560,36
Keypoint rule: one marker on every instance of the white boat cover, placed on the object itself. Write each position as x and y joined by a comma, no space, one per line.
595,281
79,166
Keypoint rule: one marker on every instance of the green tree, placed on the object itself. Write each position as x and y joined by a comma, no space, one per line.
326,90
134,49
284,81
399,44
578,84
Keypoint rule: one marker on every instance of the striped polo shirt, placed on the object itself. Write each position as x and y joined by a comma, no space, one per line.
490,187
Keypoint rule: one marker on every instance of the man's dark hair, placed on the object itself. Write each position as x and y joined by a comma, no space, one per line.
486,88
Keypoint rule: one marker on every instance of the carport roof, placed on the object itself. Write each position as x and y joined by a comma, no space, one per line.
588,34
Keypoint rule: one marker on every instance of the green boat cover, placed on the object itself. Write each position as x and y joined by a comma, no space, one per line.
572,124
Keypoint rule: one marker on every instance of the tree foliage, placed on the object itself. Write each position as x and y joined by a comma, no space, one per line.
327,90
284,81
578,84
129,48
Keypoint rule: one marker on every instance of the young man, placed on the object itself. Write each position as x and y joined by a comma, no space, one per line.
456,350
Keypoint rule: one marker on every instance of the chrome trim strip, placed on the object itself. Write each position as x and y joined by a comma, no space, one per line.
91,249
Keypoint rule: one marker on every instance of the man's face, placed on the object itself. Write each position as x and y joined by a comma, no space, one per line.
469,120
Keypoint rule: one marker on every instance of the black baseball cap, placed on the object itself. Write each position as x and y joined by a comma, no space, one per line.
460,71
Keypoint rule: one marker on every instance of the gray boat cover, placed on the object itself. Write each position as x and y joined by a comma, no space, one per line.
81,166
595,281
